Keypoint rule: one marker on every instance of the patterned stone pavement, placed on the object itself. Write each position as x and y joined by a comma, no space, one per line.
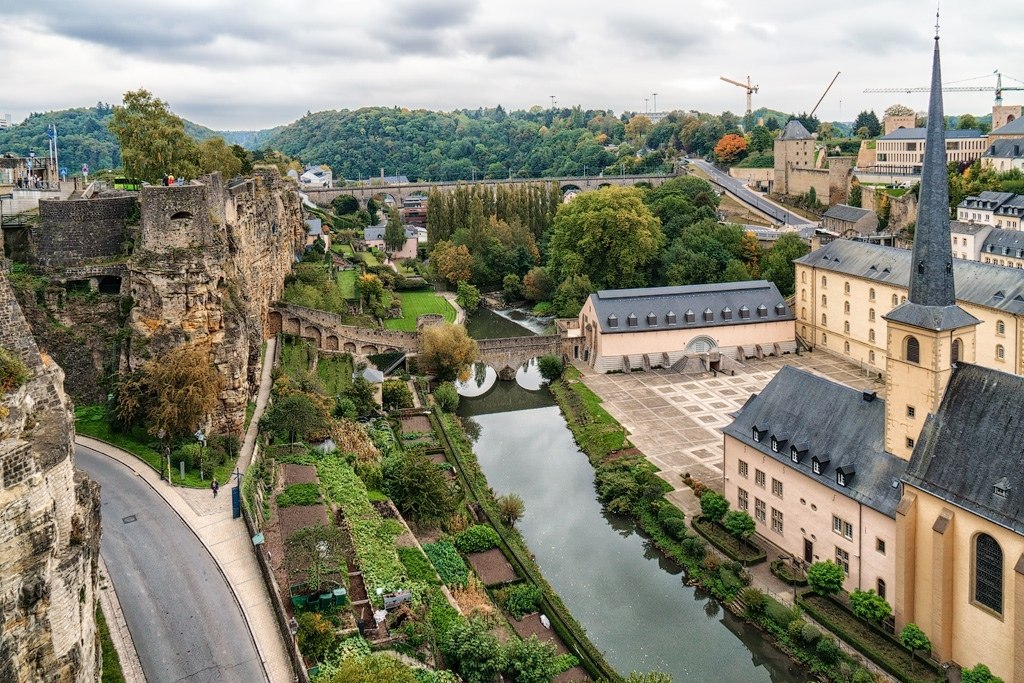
676,420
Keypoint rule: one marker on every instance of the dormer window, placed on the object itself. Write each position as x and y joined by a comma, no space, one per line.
744,312
775,444
613,320
1001,488
780,308
670,318
778,442
689,316
797,452
726,313
709,315
762,311
844,475
652,319
819,465
631,320
758,434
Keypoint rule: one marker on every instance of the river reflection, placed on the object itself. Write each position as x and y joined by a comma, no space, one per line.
628,596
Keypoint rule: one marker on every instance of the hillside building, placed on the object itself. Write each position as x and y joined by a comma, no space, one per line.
849,221
901,152
998,209
1004,154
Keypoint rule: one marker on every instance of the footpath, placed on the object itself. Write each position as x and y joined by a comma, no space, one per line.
226,539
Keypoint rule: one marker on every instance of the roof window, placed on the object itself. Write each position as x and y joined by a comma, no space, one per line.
780,308
762,311
819,464
631,320
690,316
1001,488
709,315
844,475
652,319
613,320
670,318
744,312
726,313
797,451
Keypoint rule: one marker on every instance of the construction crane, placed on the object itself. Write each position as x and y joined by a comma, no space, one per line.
751,89
999,88
831,83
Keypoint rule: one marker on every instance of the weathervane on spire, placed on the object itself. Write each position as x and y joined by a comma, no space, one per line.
936,21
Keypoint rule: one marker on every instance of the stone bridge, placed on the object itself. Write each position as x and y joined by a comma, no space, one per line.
399,193
326,330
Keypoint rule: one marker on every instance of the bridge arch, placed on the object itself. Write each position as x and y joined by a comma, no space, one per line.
368,350
293,326
349,347
331,343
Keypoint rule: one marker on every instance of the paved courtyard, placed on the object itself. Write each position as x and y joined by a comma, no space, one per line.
676,420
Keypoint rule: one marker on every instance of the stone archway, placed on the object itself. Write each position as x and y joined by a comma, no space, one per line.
313,333
331,343
369,350
275,322
700,345
349,347
293,326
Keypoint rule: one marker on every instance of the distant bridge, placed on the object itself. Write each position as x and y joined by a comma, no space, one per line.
328,333
401,192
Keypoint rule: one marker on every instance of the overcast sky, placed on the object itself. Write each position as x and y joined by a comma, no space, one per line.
230,64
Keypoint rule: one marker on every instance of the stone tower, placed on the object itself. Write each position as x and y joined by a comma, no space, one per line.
49,520
794,148
929,332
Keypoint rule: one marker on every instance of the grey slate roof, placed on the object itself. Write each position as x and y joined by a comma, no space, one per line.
377,233
726,303
832,422
1015,127
794,130
1011,148
999,239
922,134
961,228
978,283
843,212
986,200
972,442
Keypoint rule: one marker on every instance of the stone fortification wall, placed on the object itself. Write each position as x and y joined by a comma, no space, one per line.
49,540
208,262
801,180
77,230
902,210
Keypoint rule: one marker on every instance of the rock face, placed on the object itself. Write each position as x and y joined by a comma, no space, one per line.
49,524
208,261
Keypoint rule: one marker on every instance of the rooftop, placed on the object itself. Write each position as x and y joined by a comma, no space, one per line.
847,213
1008,148
1015,127
921,134
794,130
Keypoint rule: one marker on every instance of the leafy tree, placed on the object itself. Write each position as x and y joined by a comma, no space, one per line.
713,506
869,121
609,235
374,668
915,640
735,271
979,674
362,395
531,661
778,264
473,651
468,296
394,232
856,194
808,121
511,508
825,578
739,524
761,139
452,263
731,148
448,350
315,635
537,285
215,155
571,295
153,140
447,397
418,487
967,122
550,367
899,110
295,415
511,288
396,394
870,606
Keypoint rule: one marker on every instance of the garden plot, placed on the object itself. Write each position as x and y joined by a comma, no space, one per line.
492,567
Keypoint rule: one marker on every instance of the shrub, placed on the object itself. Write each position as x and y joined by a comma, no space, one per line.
299,494
713,506
448,562
796,629
825,578
695,548
827,650
520,599
729,580
810,634
979,674
447,397
396,394
511,508
675,527
669,511
870,606
13,372
477,539
753,601
550,367
315,635
778,613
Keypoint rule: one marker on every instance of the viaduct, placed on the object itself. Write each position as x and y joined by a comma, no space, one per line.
328,333
399,193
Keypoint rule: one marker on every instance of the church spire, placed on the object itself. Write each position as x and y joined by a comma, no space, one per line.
932,298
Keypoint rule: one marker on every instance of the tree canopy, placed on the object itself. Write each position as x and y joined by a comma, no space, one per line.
447,350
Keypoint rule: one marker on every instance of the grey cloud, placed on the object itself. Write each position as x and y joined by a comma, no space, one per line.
657,37
516,43
433,14
419,43
880,39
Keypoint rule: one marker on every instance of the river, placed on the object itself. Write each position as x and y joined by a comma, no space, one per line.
631,599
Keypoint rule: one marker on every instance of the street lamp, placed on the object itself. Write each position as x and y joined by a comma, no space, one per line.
201,438
646,109
655,95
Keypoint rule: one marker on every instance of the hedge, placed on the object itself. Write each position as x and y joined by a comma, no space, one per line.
747,553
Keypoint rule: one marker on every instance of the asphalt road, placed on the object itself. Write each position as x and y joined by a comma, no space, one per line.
738,189
186,625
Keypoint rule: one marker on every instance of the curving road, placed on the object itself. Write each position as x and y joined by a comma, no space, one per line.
186,625
739,190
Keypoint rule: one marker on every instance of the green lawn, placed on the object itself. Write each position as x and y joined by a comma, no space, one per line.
296,357
112,672
347,283
368,258
335,373
419,303
343,248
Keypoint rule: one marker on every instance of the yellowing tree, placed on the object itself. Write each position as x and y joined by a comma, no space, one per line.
731,148
447,350
453,263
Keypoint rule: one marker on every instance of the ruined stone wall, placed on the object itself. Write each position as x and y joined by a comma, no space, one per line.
77,230
902,210
49,537
208,262
800,180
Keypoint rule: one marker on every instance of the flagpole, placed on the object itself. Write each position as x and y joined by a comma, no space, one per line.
56,164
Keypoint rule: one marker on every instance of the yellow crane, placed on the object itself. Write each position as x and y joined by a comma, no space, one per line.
751,89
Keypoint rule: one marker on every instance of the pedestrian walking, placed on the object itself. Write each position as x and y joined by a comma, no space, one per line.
214,486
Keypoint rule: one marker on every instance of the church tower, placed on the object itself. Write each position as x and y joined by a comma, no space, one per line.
929,332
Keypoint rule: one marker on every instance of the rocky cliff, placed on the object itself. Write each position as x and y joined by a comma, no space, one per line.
49,533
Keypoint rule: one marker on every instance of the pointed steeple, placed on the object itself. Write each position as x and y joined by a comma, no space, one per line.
932,299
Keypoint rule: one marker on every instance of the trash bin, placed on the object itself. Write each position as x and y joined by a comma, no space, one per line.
340,596
299,601
326,600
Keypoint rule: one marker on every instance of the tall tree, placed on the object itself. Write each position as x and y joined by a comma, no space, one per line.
609,235
153,140
731,148
760,139
394,233
447,350
778,265
868,120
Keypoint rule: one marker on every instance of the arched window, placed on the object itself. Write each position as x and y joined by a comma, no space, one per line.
912,350
824,320
846,326
846,287
903,299
988,572
956,350
824,281
1000,327
803,295
895,300
871,335
881,588
846,347
871,314
824,301
824,340
871,356
803,331
871,294
846,307
803,276
1000,352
